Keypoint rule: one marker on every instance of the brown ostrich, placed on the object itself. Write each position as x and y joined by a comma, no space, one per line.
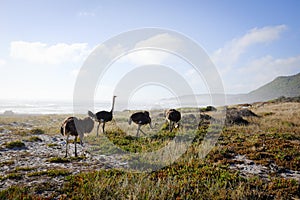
103,116
76,127
173,117
140,118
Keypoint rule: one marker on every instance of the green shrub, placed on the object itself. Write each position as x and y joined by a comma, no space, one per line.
58,160
52,145
35,139
15,176
58,172
25,168
15,144
37,131
51,172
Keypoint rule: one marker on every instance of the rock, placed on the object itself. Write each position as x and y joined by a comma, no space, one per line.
234,117
247,113
248,167
235,120
208,109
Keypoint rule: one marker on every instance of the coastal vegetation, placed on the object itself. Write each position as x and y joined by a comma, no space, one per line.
260,160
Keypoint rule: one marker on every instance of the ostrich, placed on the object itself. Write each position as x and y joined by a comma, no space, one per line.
140,118
76,127
103,116
173,117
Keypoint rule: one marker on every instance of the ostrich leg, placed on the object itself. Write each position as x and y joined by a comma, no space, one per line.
81,138
67,141
98,128
103,127
172,126
138,130
75,142
142,132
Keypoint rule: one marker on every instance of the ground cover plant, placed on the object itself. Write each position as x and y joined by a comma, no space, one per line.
270,142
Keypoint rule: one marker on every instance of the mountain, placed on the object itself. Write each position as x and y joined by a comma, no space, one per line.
288,86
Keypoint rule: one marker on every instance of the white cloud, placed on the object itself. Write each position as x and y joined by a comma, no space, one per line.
151,50
143,57
259,72
228,55
148,51
242,76
37,52
269,67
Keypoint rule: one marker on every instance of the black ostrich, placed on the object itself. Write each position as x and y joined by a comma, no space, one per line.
76,127
103,116
173,117
140,118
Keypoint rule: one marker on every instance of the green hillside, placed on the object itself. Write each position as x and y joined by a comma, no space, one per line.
288,86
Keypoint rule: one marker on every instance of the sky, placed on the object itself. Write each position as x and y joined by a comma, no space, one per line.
44,44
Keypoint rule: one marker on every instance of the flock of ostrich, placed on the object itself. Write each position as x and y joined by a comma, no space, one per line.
77,127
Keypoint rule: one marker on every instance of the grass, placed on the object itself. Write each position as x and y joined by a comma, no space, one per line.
14,144
37,131
34,139
65,160
51,173
192,178
52,145
176,182
16,192
273,137
25,168
58,160
7,163
20,132
16,176
42,124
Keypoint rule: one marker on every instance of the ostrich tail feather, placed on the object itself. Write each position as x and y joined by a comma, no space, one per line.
91,114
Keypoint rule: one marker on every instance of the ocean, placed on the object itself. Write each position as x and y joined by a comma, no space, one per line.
9,107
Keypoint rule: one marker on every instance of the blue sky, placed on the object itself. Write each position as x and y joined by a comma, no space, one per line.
43,44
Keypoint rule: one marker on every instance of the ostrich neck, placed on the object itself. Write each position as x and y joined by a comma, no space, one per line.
113,105
151,125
